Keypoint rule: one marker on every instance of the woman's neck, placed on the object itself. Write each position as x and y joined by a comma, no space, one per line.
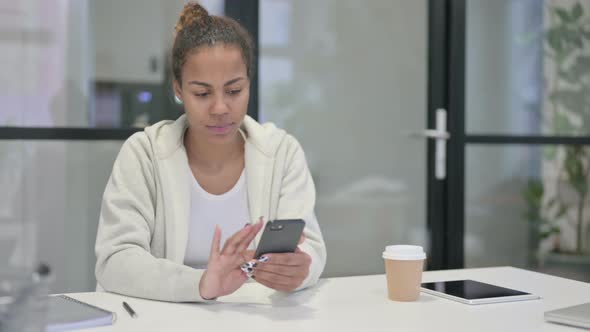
212,157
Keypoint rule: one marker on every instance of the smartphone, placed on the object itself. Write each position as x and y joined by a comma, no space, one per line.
280,236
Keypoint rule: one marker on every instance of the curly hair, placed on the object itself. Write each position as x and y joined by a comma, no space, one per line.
196,28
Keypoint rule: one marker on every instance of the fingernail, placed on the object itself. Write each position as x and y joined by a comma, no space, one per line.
244,267
248,266
263,259
247,224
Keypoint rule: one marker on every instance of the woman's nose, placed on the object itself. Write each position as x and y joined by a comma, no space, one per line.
219,106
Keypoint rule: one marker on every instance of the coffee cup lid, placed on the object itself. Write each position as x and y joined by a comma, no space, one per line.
404,252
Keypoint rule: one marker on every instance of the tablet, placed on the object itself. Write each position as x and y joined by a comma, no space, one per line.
475,292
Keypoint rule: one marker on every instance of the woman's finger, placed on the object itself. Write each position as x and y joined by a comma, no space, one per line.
245,243
247,255
235,243
281,270
278,287
297,258
301,239
275,281
215,242
230,246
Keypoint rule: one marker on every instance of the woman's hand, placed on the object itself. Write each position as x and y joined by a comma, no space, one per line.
223,275
283,272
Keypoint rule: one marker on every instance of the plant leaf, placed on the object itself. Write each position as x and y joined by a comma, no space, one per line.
574,100
577,12
554,40
580,68
574,169
577,39
561,212
581,186
551,203
572,36
571,76
533,194
563,15
562,124
549,152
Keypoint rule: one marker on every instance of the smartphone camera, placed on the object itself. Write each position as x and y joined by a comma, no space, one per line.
276,227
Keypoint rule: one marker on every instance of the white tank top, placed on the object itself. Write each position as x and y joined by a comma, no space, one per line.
228,210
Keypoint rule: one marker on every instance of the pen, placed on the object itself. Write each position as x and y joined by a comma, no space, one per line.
129,310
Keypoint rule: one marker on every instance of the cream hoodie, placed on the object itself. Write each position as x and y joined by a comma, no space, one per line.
144,221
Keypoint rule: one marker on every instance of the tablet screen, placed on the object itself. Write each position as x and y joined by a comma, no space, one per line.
471,289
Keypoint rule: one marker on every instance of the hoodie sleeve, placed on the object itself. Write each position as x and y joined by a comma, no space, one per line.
124,263
297,200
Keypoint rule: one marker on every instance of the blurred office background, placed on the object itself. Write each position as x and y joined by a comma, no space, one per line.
350,79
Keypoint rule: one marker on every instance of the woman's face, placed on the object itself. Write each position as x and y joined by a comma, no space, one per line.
215,90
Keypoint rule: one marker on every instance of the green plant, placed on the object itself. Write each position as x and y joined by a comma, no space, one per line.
541,226
568,88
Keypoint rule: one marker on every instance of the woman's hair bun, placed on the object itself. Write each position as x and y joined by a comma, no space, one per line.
192,14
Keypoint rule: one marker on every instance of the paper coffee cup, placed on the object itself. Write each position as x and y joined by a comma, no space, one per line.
403,269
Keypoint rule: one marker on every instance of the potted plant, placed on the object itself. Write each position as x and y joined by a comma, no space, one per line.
558,204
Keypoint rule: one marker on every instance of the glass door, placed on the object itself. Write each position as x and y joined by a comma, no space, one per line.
349,80
520,88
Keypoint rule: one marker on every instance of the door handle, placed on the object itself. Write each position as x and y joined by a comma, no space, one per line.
440,135
433,133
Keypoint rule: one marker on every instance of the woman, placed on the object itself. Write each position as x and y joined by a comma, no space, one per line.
178,188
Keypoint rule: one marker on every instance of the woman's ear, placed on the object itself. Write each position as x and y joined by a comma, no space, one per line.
177,92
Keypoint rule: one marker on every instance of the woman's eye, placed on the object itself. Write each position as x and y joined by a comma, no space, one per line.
234,92
202,94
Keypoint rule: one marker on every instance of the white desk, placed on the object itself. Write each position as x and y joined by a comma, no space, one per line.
354,304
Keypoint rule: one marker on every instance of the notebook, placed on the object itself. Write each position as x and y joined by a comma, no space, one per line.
578,315
66,313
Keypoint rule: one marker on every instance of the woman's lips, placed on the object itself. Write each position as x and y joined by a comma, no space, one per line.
220,129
